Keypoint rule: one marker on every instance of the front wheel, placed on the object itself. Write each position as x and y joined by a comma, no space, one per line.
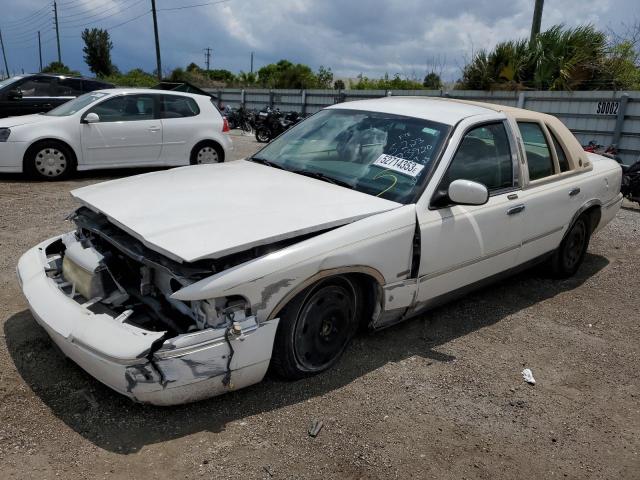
315,328
569,256
263,135
49,160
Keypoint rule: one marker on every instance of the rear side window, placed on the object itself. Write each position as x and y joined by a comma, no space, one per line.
37,87
539,158
68,87
484,156
562,156
175,106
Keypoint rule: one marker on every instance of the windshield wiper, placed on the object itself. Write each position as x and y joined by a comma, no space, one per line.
264,161
323,177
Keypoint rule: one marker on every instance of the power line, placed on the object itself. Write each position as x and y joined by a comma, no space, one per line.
8,23
183,7
117,7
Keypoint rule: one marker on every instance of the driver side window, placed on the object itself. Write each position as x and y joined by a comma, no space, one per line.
483,156
126,108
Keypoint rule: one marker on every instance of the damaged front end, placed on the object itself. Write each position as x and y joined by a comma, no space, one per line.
105,300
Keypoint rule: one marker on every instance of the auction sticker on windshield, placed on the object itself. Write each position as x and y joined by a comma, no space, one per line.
400,165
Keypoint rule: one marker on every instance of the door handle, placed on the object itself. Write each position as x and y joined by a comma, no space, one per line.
574,192
516,209
154,129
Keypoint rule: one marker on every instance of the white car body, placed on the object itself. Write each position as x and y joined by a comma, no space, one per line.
294,231
117,144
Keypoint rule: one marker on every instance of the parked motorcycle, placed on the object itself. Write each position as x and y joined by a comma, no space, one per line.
271,122
630,187
240,118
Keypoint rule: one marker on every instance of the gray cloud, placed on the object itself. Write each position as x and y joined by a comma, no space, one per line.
370,37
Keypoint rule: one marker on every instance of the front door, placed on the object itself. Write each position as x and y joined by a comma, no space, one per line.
129,132
460,244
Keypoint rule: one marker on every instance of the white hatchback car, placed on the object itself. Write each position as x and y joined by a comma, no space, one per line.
115,128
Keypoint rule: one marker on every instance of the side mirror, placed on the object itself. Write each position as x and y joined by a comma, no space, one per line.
91,118
466,192
15,94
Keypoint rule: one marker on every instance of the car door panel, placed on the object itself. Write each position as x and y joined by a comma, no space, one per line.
179,119
127,135
550,200
463,244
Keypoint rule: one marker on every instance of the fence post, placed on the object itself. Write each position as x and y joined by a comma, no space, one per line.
522,98
271,98
219,98
617,132
242,99
303,107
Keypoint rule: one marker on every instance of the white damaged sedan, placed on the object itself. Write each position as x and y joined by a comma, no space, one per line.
184,284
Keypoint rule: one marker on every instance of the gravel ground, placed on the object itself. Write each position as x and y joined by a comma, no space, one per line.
440,396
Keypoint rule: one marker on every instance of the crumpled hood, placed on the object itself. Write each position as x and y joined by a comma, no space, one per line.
209,211
10,122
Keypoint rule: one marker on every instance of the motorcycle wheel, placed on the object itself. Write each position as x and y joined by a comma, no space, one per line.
246,128
263,135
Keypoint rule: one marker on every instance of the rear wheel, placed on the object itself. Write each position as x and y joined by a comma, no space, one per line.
49,160
569,256
315,328
206,152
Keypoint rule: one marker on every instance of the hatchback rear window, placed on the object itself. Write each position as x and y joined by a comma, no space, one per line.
175,106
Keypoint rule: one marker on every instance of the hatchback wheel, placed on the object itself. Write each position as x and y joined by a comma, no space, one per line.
263,135
49,160
205,153
316,328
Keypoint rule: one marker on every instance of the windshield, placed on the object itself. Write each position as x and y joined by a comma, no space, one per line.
381,154
75,105
8,81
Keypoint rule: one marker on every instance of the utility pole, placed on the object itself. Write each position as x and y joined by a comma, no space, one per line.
155,31
251,62
55,17
207,57
40,50
537,20
4,55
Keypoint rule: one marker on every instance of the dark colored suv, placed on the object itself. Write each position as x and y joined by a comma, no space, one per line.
27,94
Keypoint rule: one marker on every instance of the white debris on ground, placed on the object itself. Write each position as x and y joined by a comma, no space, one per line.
527,375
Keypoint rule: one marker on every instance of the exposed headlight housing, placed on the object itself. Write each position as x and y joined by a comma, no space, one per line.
4,134
221,311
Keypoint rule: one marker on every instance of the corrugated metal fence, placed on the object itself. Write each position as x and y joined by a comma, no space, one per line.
609,118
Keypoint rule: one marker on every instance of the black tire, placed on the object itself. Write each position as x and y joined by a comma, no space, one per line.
49,160
208,145
263,135
566,260
315,328
246,127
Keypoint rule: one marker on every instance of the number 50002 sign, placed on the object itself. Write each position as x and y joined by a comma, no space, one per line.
608,108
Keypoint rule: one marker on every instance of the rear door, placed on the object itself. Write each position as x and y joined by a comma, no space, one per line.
129,132
550,199
461,244
180,120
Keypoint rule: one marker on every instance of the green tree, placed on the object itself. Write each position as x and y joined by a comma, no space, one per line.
558,59
285,74
97,51
339,85
324,77
432,81
133,78
60,68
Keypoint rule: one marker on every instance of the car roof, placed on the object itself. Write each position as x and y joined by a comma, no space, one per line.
444,110
428,108
124,91
62,75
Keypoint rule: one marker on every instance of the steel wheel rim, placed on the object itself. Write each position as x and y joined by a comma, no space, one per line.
51,162
207,155
324,327
575,244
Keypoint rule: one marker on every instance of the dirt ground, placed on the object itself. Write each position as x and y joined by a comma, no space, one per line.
440,396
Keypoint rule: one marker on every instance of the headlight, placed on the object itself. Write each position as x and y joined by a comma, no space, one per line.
4,134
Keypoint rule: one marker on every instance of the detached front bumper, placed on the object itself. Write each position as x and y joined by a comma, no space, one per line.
139,363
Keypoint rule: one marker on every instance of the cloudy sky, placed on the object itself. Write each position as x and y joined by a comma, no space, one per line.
350,36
